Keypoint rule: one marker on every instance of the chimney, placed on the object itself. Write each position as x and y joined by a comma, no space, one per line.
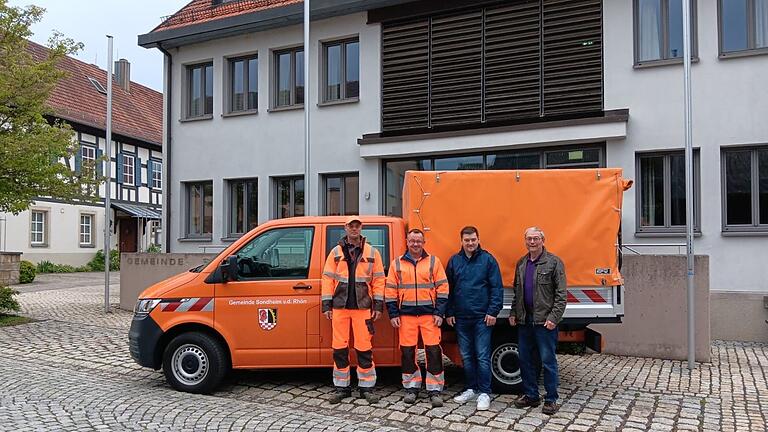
123,74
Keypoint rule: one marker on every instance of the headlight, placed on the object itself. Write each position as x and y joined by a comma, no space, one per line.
145,306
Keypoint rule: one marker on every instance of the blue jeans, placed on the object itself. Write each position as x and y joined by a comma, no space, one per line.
537,351
475,347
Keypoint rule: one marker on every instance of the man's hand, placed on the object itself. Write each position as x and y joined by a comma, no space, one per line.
376,315
490,321
550,325
451,321
438,320
328,314
395,322
512,320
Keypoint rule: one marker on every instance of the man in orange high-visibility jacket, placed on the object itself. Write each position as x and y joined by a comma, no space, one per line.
353,295
417,296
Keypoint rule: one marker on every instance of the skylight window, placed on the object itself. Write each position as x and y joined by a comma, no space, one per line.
100,88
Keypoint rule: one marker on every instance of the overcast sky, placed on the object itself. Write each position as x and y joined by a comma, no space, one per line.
89,22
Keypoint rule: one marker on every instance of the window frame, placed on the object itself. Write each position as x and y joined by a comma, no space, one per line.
309,253
275,86
292,192
342,43
90,242
751,35
664,59
132,167
188,213
231,83
386,255
231,184
43,228
756,228
668,229
157,183
343,191
188,90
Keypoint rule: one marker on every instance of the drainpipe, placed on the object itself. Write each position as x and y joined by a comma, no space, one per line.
167,150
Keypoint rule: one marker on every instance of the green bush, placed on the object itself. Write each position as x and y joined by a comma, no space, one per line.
8,304
154,248
97,263
27,272
45,267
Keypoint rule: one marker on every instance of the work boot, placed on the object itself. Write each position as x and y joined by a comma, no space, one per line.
525,402
410,397
435,399
369,395
338,394
550,407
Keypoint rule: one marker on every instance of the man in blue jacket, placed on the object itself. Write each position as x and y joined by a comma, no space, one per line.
475,299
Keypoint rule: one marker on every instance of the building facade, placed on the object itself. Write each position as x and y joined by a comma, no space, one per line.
72,232
435,85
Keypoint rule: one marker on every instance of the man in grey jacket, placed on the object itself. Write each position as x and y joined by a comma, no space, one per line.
538,305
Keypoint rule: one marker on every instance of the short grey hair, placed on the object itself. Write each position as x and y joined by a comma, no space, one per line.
534,228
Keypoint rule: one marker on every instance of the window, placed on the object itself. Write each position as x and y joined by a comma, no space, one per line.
282,253
156,174
199,209
156,232
572,157
37,229
659,30
200,90
289,78
243,84
243,206
86,230
289,196
342,194
86,163
341,70
743,25
661,192
375,235
128,162
745,189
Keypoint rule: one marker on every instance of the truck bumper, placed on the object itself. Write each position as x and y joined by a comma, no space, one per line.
142,340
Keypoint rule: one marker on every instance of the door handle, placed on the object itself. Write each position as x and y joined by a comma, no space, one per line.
302,287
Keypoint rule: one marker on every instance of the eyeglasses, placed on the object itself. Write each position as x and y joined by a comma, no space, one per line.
533,238
415,241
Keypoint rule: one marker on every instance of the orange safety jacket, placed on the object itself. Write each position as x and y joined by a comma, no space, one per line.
416,287
369,279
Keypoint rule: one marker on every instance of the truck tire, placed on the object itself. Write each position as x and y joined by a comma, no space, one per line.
194,362
505,367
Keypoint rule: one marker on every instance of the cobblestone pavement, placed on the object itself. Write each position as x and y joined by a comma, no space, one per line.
71,370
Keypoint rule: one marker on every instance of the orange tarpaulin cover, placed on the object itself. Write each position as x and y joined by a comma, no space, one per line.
579,211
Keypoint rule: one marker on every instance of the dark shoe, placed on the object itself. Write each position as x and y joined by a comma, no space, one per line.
339,394
369,396
550,408
410,397
525,402
435,399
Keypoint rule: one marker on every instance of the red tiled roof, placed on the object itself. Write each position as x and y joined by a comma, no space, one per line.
198,11
137,114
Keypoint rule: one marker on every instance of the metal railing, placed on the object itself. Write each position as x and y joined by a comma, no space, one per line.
631,247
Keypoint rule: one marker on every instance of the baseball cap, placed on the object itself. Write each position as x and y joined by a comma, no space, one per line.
351,219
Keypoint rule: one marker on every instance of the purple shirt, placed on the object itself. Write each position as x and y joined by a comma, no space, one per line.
529,284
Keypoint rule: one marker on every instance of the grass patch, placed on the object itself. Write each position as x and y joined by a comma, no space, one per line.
12,320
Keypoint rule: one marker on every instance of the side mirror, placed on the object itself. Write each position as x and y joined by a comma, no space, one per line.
229,268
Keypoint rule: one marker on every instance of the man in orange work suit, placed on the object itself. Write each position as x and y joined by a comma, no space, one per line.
416,296
353,295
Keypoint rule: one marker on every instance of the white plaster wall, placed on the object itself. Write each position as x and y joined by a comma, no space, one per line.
730,106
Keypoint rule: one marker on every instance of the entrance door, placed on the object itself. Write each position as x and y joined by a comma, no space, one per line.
265,313
128,233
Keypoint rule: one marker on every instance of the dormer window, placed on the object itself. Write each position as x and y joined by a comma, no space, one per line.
99,88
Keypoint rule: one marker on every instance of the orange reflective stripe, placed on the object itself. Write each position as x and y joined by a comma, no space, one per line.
412,380
435,382
366,377
341,377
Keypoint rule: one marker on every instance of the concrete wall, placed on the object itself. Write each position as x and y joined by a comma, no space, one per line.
739,316
655,320
138,271
9,268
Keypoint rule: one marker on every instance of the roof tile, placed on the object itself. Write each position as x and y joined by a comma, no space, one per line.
198,11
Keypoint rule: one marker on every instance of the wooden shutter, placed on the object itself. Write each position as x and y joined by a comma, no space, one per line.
456,70
572,56
512,61
405,75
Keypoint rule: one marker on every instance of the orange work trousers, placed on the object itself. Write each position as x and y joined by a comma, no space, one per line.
410,328
359,320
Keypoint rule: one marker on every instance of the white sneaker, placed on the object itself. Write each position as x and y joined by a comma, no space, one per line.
483,402
465,396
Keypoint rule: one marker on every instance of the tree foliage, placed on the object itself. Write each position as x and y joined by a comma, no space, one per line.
32,148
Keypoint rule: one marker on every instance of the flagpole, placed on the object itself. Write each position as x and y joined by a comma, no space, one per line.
308,207
689,204
108,183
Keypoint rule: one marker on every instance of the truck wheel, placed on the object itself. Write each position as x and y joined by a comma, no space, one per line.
505,367
194,362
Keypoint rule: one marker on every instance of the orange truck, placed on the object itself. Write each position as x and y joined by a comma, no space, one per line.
257,304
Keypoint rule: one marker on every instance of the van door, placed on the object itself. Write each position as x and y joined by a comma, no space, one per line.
378,236
263,314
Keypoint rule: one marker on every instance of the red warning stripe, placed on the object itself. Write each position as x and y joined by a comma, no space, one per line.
200,304
594,296
170,307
